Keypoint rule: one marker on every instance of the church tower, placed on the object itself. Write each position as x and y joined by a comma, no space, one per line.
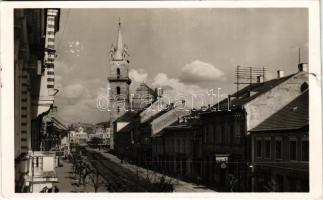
119,82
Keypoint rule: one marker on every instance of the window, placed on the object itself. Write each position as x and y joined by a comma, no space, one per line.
305,150
211,134
259,148
178,145
214,134
222,134
118,72
278,148
242,131
118,90
205,135
228,134
267,148
292,149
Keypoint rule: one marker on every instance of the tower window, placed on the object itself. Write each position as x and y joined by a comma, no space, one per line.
118,90
118,72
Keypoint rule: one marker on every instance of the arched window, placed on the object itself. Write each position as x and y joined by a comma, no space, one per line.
118,90
118,72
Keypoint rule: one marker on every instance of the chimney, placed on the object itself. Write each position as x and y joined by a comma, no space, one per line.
280,73
159,92
260,79
303,67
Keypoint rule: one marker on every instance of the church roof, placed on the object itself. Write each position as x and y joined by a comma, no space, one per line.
143,87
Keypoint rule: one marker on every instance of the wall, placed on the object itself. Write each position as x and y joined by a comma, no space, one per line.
270,102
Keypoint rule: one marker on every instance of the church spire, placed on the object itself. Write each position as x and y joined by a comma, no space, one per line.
120,46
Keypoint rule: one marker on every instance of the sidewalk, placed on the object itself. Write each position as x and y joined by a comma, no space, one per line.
179,185
67,182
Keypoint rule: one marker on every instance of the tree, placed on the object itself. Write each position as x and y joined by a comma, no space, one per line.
95,177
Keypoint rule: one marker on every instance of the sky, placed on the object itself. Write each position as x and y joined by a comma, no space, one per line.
185,51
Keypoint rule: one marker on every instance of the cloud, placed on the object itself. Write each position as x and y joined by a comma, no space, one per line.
64,69
199,71
175,90
138,75
78,101
74,91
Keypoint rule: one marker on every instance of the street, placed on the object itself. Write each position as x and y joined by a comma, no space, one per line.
117,177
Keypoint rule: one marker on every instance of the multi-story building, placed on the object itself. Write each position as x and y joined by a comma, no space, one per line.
103,129
79,137
280,149
176,150
34,54
226,127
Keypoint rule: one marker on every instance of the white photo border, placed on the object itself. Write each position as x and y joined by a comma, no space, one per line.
7,94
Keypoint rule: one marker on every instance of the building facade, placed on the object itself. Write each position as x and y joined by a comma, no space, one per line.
34,54
227,126
177,149
280,149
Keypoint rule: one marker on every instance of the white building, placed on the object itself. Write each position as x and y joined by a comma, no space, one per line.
78,137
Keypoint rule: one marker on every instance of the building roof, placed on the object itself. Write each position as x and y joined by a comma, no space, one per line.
58,123
127,128
105,124
250,92
127,116
291,117
144,88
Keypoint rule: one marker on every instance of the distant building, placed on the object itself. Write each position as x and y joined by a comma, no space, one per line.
78,137
103,131
34,55
135,129
280,149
